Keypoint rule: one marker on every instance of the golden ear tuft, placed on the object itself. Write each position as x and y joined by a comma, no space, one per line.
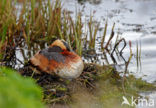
58,43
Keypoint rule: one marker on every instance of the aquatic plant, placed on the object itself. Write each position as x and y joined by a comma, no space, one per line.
40,22
138,54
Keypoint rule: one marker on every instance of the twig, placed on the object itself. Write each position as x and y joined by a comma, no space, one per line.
112,56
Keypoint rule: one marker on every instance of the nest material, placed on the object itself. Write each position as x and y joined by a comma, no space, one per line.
59,90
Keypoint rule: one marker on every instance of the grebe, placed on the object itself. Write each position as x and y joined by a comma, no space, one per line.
58,59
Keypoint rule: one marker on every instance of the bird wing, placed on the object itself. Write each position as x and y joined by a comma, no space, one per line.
53,53
48,60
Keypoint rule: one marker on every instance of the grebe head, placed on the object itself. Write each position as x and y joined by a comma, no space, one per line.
62,44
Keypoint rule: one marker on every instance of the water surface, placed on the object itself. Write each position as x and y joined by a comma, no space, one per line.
135,21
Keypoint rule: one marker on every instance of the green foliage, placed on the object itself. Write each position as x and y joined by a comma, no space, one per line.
110,89
40,22
113,87
7,24
18,92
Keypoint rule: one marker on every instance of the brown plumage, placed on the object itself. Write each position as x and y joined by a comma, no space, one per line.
58,59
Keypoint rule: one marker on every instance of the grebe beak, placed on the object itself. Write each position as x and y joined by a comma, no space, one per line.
68,48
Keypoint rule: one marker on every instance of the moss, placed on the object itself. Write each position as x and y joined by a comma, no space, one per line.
140,84
110,89
18,92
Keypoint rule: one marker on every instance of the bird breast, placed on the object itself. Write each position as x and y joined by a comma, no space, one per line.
72,69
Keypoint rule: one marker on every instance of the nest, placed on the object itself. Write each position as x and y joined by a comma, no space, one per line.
57,89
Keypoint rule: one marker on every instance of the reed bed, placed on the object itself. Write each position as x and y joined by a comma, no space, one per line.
7,25
40,22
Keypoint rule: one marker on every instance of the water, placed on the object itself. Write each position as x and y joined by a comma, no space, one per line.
135,21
